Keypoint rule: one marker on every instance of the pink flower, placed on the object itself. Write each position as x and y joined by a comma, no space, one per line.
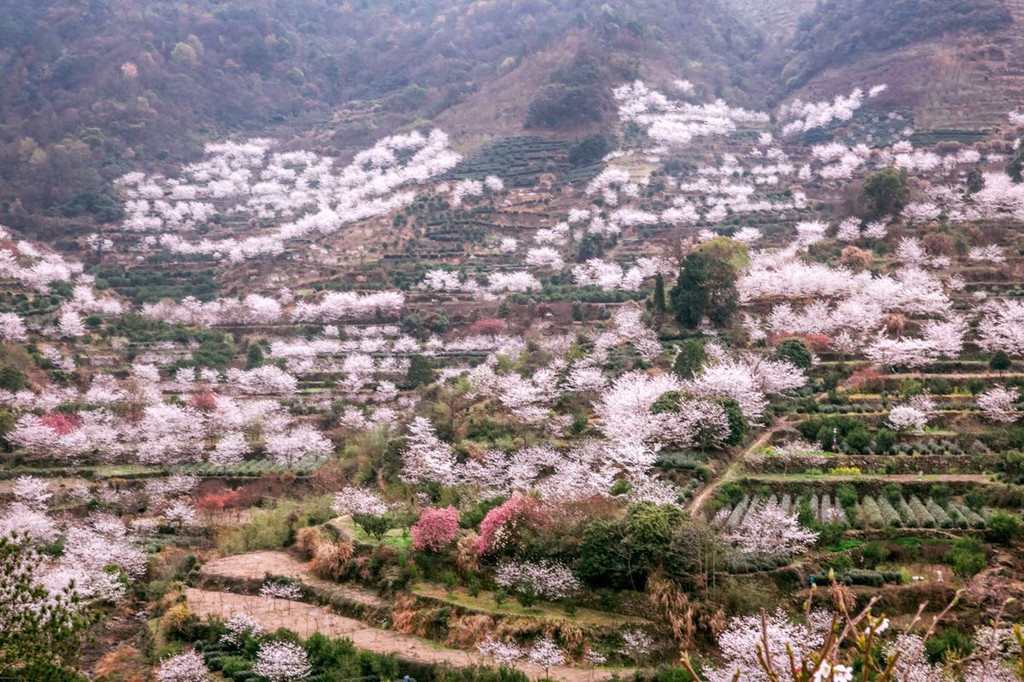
436,529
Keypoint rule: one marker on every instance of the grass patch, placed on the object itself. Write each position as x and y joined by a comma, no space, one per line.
399,538
844,546
484,603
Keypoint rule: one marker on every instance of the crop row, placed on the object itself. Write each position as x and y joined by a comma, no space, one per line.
824,509
252,468
882,512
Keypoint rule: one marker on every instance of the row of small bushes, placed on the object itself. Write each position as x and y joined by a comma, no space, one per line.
880,512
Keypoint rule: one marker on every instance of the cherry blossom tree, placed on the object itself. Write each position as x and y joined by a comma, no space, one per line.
900,352
12,329
742,643
998,404
503,653
427,457
302,442
180,513
186,667
907,418
1002,327
545,654
230,449
240,627
71,325
282,662
32,491
546,580
768,531
358,501
266,380
273,590
636,644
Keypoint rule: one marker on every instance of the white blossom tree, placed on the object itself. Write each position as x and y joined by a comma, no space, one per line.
545,654
186,667
503,653
241,626
282,662
768,531
427,457
352,501
998,404
546,580
32,491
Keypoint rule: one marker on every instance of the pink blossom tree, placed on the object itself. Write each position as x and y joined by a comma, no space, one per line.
502,526
436,529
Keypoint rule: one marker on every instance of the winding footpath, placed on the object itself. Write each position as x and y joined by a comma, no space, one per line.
731,471
307,619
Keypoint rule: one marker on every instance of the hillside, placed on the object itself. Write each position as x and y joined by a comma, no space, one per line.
954,65
90,91
511,341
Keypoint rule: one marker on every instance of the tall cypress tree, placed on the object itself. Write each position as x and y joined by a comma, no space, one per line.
660,304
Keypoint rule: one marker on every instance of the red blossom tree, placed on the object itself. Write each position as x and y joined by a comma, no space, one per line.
504,524
61,423
436,529
817,342
204,402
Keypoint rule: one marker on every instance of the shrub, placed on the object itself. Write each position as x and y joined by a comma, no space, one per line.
869,515
922,515
331,559
846,495
884,441
889,513
893,492
942,519
940,492
858,576
967,556
875,553
1003,528
795,351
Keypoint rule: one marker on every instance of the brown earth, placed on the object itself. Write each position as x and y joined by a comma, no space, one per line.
306,619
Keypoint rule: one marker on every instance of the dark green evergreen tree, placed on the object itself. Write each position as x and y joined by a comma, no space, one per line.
885,192
659,301
690,360
420,372
795,351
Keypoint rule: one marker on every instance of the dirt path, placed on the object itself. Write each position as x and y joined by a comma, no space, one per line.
306,619
256,565
896,478
730,471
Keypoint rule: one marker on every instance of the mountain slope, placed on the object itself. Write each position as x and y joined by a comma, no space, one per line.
952,66
91,90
